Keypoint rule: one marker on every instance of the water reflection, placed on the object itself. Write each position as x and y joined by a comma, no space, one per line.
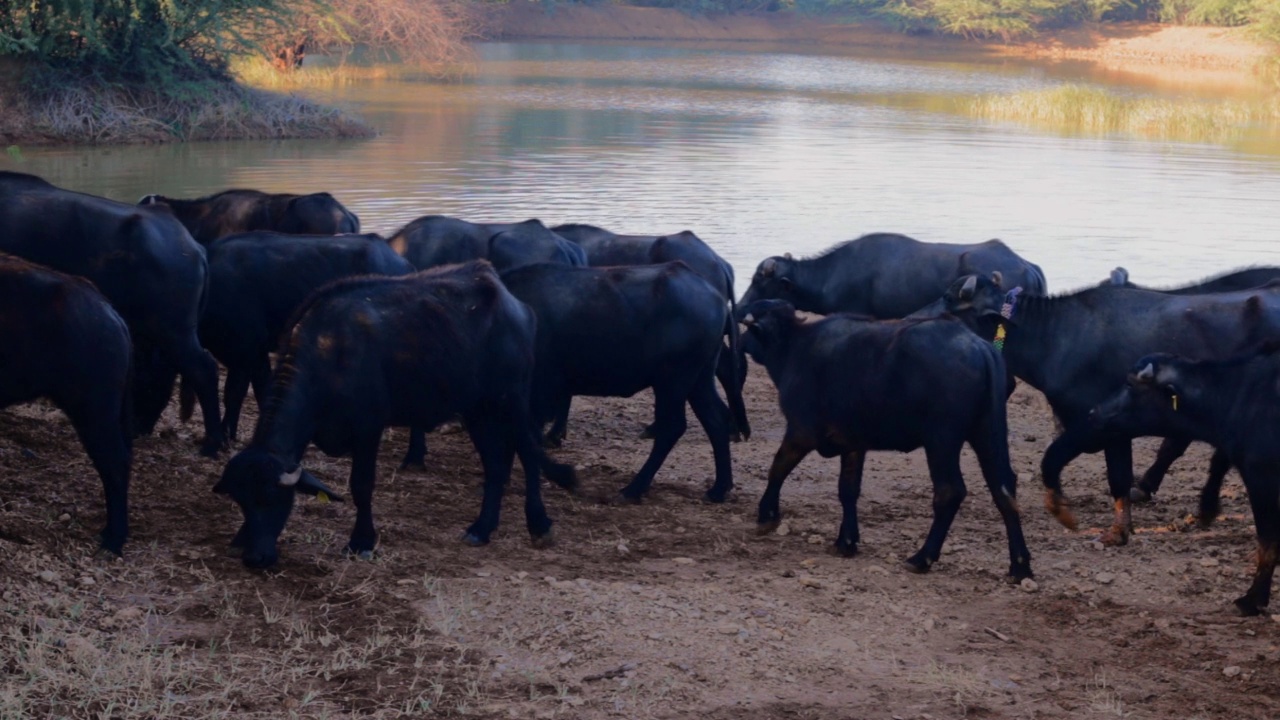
759,152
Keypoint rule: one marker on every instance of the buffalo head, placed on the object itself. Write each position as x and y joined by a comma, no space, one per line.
774,280
1150,403
264,489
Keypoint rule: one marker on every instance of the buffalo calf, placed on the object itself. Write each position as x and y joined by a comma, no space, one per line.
237,211
848,385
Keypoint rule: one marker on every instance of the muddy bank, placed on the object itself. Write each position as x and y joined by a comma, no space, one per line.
669,609
1137,47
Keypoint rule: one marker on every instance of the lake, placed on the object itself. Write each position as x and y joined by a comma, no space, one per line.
760,150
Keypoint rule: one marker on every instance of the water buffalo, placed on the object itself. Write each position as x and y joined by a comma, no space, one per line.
1077,348
848,385
238,211
434,240
1173,448
1231,404
367,353
884,275
60,339
257,280
612,332
146,264
606,249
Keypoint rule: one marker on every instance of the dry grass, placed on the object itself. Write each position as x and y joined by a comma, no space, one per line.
96,113
259,73
1076,108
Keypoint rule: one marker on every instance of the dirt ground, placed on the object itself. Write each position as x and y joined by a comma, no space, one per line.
671,609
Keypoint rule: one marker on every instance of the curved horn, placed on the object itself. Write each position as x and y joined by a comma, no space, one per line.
749,319
969,288
997,278
787,256
311,485
1147,373
289,479
767,267
1119,276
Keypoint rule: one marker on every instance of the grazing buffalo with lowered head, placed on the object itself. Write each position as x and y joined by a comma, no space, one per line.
884,275
606,249
434,240
60,339
257,280
1077,348
368,353
1172,449
237,211
145,263
1232,404
848,385
612,332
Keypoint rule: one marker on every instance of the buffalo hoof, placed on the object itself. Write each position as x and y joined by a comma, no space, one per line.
210,450
362,555
418,465
563,476
105,554
470,538
918,563
113,545
715,496
624,498
1139,494
735,437
1247,607
844,549
1018,574
1060,508
553,442
1207,514
647,433
543,541
768,526
1115,536
234,551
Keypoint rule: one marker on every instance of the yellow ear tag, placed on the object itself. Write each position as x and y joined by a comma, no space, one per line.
1175,403
323,497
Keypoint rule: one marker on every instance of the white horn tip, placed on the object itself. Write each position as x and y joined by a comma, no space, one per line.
289,479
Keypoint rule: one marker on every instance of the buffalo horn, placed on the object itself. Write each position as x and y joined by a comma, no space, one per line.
969,288
766,267
1147,373
997,278
289,479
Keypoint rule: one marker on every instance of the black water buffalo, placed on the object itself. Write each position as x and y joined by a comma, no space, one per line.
848,385
884,275
257,280
1173,448
146,264
607,249
434,240
612,332
1077,348
237,211
367,353
60,339
1231,404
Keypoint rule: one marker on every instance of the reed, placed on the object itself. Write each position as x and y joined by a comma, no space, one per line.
1076,108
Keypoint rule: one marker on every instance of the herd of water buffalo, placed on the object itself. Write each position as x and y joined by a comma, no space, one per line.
107,305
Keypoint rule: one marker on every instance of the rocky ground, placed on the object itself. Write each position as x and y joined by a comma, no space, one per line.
670,609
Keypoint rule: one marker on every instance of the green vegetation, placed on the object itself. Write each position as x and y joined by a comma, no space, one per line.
1075,108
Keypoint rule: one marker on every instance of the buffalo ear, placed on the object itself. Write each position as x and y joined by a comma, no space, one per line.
787,256
1119,276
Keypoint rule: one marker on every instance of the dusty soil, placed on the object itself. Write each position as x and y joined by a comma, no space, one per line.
1212,54
670,609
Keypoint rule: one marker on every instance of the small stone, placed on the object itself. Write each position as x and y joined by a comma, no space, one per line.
1097,545
783,528
1210,562
789,573
1163,623
683,561
86,581
929,624
809,562
815,539
64,517
623,549
1275,618
1029,585
483,573
1104,578
772,634
728,629
48,576
1231,670
565,658
1061,565
811,582
878,570
1250,633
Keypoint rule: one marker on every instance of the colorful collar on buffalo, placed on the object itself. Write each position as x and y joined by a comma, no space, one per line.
1006,312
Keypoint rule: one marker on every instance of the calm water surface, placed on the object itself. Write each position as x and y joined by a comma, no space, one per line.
760,151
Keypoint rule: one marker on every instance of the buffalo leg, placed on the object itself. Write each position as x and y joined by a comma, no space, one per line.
850,488
1119,455
993,457
364,471
714,418
416,455
198,368
497,451
789,455
1170,450
560,422
233,395
669,425
948,493
535,513
108,449
1264,491
1210,494
153,379
728,375
1065,448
